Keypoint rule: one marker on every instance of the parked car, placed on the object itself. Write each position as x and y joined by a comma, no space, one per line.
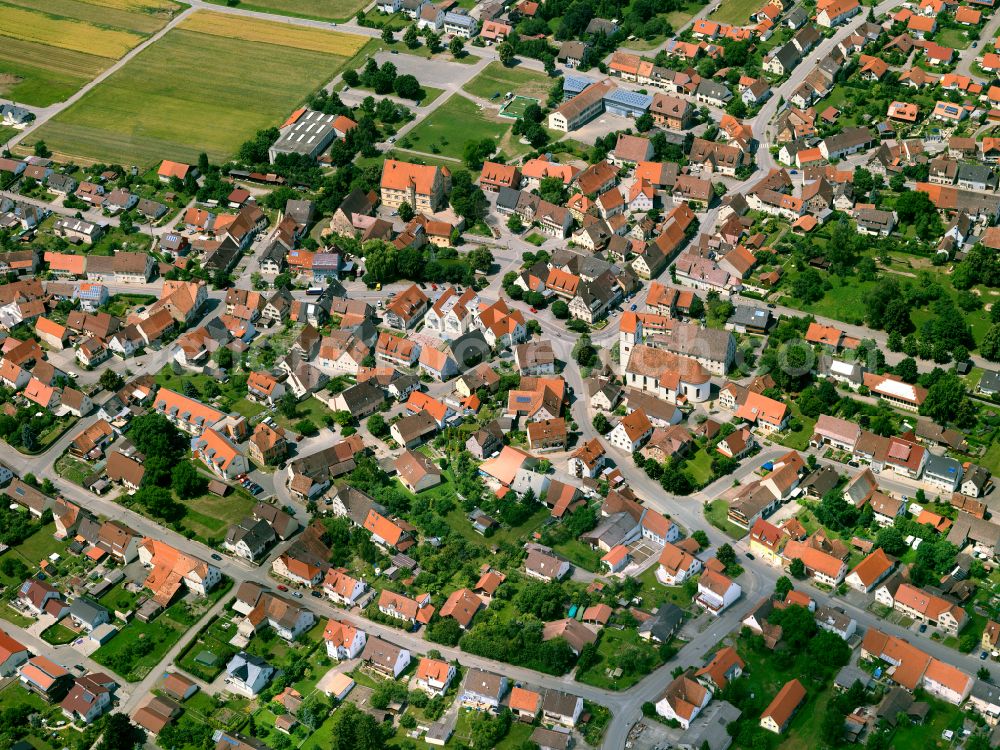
923,627
216,556
282,587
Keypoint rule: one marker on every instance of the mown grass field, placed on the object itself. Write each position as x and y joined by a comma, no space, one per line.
327,10
496,78
41,75
735,11
50,48
446,130
188,92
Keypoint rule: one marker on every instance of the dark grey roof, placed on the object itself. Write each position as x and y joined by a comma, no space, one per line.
984,691
977,173
470,349
787,55
358,503
507,198
755,317
797,16
356,202
256,534
943,466
714,90
821,481
977,475
850,674
359,398
86,610
601,26
664,623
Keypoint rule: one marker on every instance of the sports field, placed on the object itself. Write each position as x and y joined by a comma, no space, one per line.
207,85
516,106
327,10
50,48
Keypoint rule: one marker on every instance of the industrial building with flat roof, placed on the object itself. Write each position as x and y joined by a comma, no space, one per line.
309,133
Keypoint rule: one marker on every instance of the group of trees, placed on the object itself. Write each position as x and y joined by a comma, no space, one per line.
529,125
24,428
519,642
810,654
642,18
166,467
384,263
385,80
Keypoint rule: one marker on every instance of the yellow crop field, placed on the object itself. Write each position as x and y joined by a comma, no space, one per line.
268,32
32,26
137,6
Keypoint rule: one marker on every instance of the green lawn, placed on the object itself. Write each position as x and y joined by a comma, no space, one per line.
580,554
446,130
161,106
496,78
58,634
247,408
210,516
844,301
735,11
40,545
991,459
613,643
215,640
798,439
118,600
516,738
699,467
954,38
14,617
512,535
124,654
928,735
717,513
323,10
421,51
654,593
312,409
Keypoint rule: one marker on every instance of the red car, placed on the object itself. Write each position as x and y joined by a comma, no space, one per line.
534,310
282,587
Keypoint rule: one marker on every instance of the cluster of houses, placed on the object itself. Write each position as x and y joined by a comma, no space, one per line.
83,699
